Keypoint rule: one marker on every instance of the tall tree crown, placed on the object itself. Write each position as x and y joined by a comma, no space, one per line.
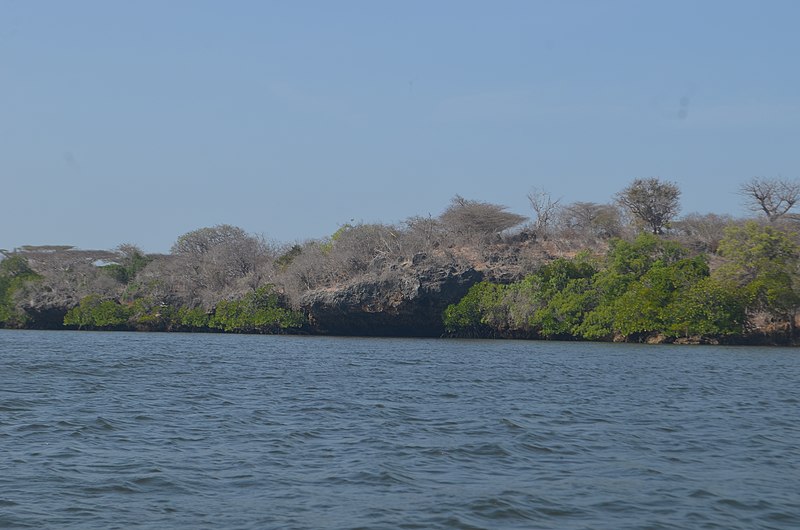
653,201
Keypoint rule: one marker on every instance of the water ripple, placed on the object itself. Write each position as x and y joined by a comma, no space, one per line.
117,430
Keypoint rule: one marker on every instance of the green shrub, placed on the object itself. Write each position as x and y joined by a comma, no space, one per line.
95,313
260,311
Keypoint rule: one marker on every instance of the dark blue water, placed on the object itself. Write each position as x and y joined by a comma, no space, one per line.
118,430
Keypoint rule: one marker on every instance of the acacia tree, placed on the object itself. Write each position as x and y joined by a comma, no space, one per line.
774,197
478,219
653,201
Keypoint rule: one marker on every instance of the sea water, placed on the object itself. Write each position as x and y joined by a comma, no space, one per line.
144,430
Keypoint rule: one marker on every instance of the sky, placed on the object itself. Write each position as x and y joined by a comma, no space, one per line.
136,122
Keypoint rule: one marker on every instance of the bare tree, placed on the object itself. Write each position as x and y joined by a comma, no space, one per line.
164,280
652,201
702,232
307,269
590,220
774,197
198,242
422,234
220,262
363,247
546,209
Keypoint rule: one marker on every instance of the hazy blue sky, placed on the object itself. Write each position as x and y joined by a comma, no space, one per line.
137,121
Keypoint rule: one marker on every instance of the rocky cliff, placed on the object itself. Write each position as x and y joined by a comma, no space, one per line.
407,303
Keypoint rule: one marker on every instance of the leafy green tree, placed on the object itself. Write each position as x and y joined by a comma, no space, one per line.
712,307
763,261
644,307
470,316
626,263
567,308
561,295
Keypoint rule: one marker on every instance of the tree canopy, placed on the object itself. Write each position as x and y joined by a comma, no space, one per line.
654,202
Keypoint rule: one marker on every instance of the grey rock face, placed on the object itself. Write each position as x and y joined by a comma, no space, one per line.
409,303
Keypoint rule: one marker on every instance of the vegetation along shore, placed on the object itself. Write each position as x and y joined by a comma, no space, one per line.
629,270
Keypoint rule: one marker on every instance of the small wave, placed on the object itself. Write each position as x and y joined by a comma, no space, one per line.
494,509
701,494
16,405
124,488
743,505
305,435
103,424
368,478
451,521
156,483
410,362
784,517
79,510
553,511
511,424
12,523
668,428
384,477
173,440
615,506
535,448
34,427
484,449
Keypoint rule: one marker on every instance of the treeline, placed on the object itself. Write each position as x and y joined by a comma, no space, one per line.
630,269
223,279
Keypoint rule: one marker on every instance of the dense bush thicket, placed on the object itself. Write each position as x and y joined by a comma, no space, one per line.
260,311
641,289
628,270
